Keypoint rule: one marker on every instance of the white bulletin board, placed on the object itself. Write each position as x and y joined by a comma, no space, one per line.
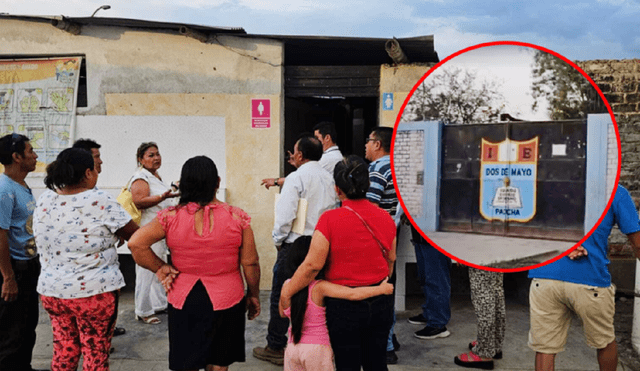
178,137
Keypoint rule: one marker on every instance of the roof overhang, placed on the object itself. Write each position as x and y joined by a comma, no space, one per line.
351,51
298,50
61,21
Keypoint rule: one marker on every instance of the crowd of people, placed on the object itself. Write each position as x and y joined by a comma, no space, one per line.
331,303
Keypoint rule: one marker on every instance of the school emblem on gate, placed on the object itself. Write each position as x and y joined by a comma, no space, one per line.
508,173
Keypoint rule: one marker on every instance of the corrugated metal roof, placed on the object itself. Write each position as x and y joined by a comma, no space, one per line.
126,22
299,50
351,51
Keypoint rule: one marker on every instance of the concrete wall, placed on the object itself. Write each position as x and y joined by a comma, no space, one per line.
139,73
398,80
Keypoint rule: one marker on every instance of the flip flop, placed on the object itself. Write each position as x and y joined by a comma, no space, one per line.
151,320
472,360
475,342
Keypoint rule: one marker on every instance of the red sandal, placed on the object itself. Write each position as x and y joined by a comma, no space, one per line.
472,360
475,342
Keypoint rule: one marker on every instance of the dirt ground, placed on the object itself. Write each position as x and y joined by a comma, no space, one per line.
624,323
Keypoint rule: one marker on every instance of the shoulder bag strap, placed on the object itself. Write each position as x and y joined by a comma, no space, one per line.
130,179
385,253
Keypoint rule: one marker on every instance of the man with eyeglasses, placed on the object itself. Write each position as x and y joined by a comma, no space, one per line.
313,184
19,265
382,193
325,131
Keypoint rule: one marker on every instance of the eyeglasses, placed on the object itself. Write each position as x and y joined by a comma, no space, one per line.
371,140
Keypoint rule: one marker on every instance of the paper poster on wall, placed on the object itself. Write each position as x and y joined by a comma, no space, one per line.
38,99
509,171
260,113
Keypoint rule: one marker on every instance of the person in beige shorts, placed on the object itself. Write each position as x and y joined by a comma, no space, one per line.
580,283
552,303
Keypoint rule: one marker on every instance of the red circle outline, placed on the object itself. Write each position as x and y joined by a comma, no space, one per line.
523,44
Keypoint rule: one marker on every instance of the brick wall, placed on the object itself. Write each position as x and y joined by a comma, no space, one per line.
408,160
619,81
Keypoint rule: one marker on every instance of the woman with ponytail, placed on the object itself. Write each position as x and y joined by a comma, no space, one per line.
76,227
357,243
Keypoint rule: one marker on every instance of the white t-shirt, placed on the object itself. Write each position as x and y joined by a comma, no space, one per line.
330,158
75,235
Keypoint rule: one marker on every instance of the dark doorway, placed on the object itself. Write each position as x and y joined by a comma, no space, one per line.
354,117
347,95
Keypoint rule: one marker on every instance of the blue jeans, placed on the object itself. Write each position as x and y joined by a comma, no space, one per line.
278,326
434,275
358,332
390,346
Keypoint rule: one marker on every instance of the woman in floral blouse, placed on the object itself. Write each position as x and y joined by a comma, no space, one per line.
76,227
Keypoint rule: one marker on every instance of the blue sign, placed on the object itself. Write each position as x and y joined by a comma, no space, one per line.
387,101
508,180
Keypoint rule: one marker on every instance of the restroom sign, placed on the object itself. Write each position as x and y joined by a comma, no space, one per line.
260,113
387,101
508,174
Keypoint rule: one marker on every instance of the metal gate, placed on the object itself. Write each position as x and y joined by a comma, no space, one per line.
524,179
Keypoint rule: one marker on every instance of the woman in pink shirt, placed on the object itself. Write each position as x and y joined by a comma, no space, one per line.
209,240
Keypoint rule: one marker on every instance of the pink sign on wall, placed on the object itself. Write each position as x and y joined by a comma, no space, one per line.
260,113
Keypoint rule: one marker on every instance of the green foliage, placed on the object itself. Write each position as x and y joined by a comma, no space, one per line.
454,96
568,93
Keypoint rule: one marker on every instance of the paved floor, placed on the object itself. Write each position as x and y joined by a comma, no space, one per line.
499,251
145,347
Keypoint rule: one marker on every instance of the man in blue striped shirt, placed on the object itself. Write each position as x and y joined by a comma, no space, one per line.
381,191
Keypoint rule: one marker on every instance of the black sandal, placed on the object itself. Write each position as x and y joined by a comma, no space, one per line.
119,331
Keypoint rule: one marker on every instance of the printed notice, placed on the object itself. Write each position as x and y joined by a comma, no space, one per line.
260,113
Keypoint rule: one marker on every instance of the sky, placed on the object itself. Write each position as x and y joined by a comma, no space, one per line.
579,30
510,67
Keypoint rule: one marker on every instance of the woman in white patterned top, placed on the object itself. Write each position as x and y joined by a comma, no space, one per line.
76,227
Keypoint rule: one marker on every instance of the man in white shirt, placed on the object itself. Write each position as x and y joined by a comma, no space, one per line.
316,186
326,134
331,155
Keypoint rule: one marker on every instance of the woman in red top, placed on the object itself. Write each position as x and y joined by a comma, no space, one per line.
356,245
209,241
